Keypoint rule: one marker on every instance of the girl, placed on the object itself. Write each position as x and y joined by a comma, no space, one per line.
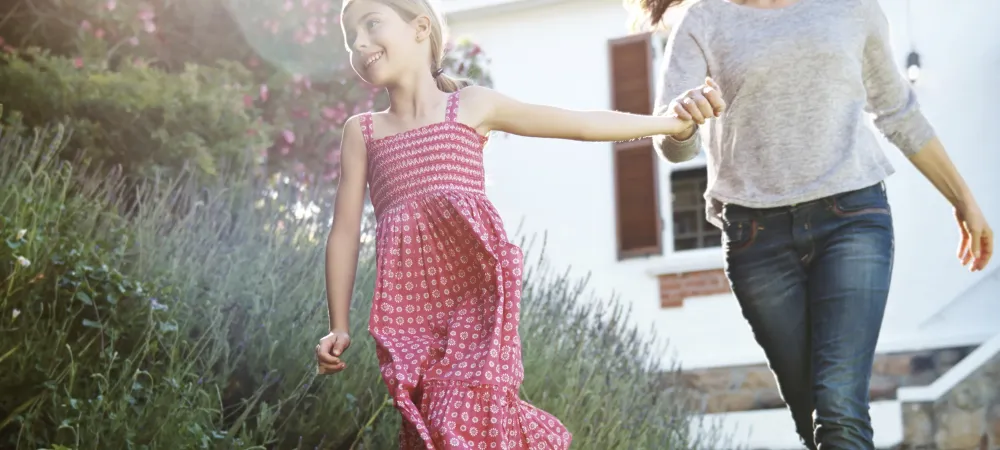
446,305
799,192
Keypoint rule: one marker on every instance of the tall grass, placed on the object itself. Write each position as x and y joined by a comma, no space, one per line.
191,323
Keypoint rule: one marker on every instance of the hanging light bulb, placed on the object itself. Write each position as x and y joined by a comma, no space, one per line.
913,66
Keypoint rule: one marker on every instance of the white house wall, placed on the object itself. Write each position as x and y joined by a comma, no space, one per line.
557,54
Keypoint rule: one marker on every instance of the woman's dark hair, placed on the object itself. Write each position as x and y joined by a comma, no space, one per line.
655,9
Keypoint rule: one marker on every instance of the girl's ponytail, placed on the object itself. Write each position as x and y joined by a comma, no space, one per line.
449,84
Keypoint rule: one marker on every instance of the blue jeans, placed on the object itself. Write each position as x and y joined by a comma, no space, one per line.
812,281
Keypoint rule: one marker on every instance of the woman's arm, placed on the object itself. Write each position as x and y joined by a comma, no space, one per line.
890,97
897,115
684,67
933,162
345,234
976,246
498,112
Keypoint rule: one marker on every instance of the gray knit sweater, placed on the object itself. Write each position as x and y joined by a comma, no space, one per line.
801,83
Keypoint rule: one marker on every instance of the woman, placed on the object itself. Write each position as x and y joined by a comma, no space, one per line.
795,181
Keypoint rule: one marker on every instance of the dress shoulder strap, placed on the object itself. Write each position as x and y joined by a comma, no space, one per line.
367,128
452,112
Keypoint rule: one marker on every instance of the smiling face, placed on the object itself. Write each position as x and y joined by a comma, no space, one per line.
384,45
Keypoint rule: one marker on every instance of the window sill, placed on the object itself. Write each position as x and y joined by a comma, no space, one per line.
688,261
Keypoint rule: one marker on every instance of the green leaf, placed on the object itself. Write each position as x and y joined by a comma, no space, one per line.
83,297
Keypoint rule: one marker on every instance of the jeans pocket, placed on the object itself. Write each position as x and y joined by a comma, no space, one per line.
738,235
869,200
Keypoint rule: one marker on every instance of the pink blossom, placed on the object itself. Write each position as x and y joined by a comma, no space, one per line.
329,113
133,41
85,25
247,101
263,92
146,15
285,150
99,33
150,27
288,136
288,5
78,62
111,5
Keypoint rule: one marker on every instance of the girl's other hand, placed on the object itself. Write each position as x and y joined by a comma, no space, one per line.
329,350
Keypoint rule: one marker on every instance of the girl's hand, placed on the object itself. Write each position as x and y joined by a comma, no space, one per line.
976,245
699,104
329,350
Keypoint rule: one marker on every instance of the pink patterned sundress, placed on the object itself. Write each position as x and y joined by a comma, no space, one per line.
446,306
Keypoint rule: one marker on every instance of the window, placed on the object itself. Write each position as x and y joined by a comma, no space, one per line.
639,217
691,230
637,204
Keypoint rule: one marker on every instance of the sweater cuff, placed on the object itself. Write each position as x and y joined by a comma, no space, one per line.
675,150
911,134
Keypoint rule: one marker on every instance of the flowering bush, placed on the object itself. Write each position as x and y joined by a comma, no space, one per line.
302,84
144,120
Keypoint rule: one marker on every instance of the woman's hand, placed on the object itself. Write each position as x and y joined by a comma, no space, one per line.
329,350
976,245
698,105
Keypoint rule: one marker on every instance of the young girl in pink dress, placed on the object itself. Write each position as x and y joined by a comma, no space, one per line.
446,304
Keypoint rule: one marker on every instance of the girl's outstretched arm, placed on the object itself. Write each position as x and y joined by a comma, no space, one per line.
342,246
496,112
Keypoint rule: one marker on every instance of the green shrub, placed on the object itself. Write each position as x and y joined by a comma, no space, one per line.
242,276
149,122
293,52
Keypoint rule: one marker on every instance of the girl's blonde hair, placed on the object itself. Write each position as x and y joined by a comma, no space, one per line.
409,10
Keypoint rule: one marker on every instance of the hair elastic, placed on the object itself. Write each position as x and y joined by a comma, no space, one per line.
438,72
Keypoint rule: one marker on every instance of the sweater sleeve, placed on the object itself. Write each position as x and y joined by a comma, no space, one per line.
890,97
683,67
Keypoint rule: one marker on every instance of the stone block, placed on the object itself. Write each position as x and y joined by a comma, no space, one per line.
959,429
730,401
918,425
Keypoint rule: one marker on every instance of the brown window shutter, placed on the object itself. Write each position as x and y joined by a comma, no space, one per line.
637,200
637,204
631,74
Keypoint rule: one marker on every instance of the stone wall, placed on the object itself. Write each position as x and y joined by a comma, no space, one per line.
747,388
967,417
